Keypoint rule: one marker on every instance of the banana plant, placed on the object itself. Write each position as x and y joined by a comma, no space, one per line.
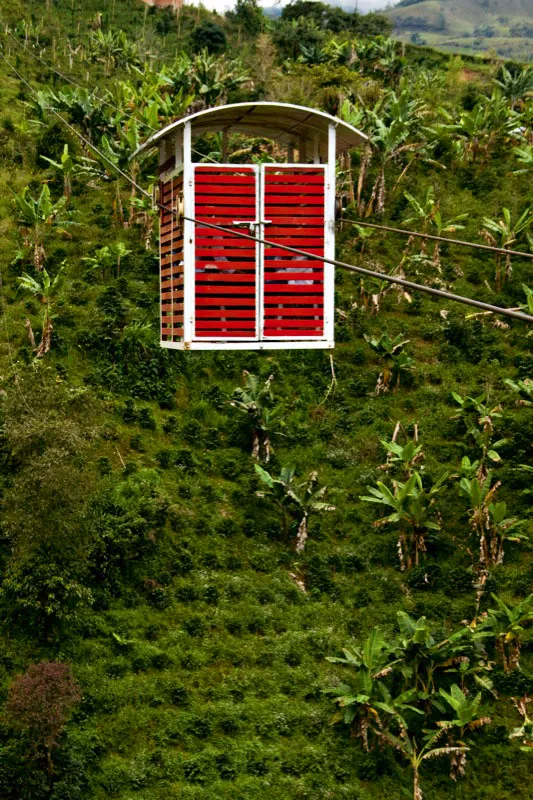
416,754
296,502
515,86
396,362
428,214
524,732
45,289
66,168
406,456
106,258
524,155
255,400
503,233
508,625
423,657
480,419
363,702
524,389
412,511
466,709
36,216
488,520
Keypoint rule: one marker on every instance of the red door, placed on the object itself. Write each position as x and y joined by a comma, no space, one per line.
246,291
293,286
226,267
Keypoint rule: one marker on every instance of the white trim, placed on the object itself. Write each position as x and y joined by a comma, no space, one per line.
188,238
278,108
300,344
329,237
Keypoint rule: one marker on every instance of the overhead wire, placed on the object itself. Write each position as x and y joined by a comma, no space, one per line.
434,238
100,99
441,293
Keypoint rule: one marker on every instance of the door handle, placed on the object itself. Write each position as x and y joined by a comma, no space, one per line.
251,223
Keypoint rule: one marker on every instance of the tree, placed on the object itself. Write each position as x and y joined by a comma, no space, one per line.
39,704
255,400
292,501
45,290
248,16
208,36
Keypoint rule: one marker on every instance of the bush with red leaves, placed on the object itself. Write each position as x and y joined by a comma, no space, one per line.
39,704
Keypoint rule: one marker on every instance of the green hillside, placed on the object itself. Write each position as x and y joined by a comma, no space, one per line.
504,28
161,634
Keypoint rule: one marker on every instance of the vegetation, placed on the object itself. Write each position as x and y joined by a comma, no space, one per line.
204,557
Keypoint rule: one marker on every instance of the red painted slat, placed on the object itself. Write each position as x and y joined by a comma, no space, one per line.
310,178
223,253
297,200
213,187
291,332
228,301
292,311
213,290
207,324
233,313
233,202
213,277
308,277
225,241
240,265
297,211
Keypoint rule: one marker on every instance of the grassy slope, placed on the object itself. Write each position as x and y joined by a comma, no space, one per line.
451,23
213,689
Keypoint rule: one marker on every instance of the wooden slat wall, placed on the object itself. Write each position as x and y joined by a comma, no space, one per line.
293,285
171,260
225,266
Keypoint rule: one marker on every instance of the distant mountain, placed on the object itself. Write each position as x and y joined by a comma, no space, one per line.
502,26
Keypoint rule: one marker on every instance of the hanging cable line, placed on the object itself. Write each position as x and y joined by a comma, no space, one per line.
434,238
335,262
102,100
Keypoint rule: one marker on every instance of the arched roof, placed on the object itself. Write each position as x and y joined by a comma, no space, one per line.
283,122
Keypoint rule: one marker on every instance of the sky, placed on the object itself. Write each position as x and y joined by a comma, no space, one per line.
363,5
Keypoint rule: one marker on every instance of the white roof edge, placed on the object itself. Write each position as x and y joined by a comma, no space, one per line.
152,141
